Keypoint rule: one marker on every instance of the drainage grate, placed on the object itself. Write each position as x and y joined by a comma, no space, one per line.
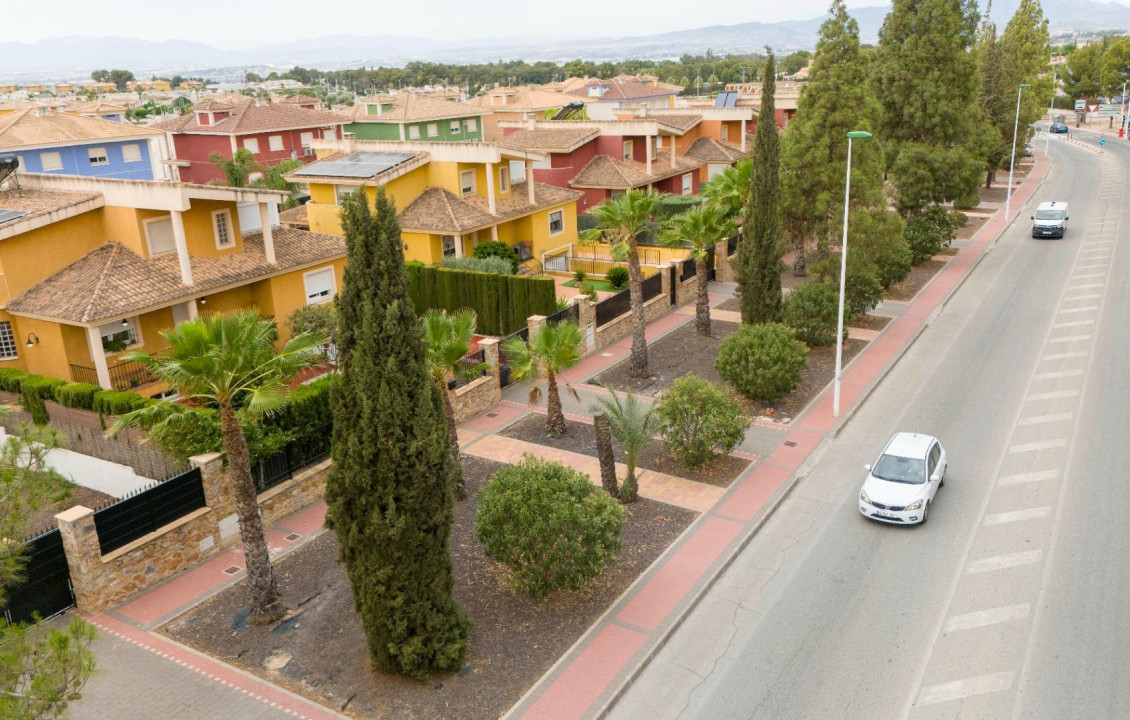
790,443
292,537
232,570
492,414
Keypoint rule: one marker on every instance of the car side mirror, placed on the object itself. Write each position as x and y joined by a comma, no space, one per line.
867,467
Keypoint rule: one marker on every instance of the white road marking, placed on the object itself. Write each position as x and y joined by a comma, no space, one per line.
1070,338
981,618
1033,447
1078,310
1090,296
1055,395
1074,323
1088,275
1085,287
979,685
1040,419
1090,266
1064,356
1017,515
1058,374
1003,562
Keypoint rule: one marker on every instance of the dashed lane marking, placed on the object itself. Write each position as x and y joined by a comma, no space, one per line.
1041,419
1004,562
958,689
1058,374
981,618
1055,395
1018,515
1030,477
1036,446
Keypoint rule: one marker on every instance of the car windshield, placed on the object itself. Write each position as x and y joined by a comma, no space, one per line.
1049,214
900,469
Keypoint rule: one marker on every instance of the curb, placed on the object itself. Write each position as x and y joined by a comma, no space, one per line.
789,485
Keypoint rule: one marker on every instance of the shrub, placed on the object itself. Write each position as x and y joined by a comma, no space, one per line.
862,293
671,205
617,277
493,248
116,402
589,290
43,387
306,419
501,302
930,230
812,309
893,266
33,403
579,277
77,395
11,378
548,526
496,265
696,417
198,431
763,362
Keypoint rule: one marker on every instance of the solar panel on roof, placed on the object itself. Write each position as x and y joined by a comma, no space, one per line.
6,215
726,99
356,165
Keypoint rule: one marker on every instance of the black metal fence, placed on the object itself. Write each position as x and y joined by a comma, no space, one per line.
652,287
123,375
690,266
504,359
149,509
47,590
297,455
619,304
467,363
570,312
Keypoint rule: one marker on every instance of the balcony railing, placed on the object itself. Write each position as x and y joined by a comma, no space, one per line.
123,376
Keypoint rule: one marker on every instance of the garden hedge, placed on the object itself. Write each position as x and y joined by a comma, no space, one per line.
40,386
115,402
11,378
77,395
501,302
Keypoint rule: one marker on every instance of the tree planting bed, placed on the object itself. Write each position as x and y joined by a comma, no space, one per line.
320,650
579,438
908,289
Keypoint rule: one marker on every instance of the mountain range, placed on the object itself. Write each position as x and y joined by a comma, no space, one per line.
70,58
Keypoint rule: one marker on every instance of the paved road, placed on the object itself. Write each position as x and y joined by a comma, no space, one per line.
1011,602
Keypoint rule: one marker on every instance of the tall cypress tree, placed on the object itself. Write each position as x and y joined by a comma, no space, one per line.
927,84
759,256
390,490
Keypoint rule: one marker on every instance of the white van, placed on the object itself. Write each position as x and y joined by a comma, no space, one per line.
1050,220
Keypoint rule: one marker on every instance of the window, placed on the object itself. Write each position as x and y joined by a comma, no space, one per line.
275,142
340,191
433,130
306,138
557,222
467,182
472,125
221,225
7,341
627,149
455,127
504,179
159,232
448,245
517,170
251,145
98,156
725,132
413,132
116,336
688,183
935,455
252,177
319,286
51,161
131,153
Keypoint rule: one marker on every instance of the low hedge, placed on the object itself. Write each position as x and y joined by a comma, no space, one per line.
40,386
115,402
11,379
77,395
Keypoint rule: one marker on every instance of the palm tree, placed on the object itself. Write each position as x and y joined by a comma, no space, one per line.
731,187
221,359
701,228
553,348
448,339
238,168
619,222
633,425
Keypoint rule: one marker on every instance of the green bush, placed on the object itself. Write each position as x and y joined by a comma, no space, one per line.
77,395
696,417
306,419
930,230
496,265
501,302
42,386
617,277
589,290
579,277
893,266
862,293
812,309
11,378
671,205
33,403
198,431
116,402
548,525
763,362
493,248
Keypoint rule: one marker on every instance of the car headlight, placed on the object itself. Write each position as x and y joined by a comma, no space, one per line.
863,497
914,506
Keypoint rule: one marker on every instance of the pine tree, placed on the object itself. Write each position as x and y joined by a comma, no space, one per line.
927,84
759,260
390,490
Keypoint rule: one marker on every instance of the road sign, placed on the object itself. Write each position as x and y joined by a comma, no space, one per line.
1102,142
1080,105
1109,110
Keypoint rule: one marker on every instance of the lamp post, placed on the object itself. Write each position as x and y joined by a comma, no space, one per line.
853,135
1012,160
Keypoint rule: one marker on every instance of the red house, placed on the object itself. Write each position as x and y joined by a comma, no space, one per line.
272,133
605,158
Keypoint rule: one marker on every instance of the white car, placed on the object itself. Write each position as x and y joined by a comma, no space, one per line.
901,485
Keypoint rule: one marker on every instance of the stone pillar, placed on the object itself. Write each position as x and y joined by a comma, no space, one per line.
722,270
530,182
84,556
586,319
490,348
218,496
535,323
665,273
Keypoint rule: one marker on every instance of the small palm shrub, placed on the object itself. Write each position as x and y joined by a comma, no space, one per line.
579,277
763,362
617,277
697,417
812,309
548,525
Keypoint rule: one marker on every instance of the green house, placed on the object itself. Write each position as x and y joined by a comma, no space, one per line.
410,117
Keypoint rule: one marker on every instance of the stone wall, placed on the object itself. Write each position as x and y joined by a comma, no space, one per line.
305,488
482,394
621,327
723,264
685,290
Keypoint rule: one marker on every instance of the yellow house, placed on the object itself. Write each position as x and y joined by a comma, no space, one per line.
96,267
34,88
191,85
8,87
449,196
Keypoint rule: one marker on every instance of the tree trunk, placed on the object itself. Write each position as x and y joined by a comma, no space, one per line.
989,175
554,418
629,491
800,261
638,361
702,300
453,440
604,454
266,607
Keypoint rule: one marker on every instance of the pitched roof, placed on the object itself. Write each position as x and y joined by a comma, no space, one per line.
682,122
299,100
438,210
306,174
410,108
250,118
295,217
609,172
560,140
516,99
96,107
25,128
625,89
710,150
112,281
37,201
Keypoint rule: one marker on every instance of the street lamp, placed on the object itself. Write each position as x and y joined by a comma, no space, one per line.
1012,160
853,135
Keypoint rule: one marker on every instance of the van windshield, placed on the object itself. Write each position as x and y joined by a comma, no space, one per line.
1049,214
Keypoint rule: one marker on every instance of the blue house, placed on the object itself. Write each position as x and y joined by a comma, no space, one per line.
48,142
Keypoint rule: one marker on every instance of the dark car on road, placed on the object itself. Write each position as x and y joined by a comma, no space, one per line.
1059,128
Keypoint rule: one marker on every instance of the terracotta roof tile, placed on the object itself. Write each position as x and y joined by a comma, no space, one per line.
609,172
251,118
518,99
560,140
25,128
438,210
36,201
682,122
710,150
295,217
626,89
412,108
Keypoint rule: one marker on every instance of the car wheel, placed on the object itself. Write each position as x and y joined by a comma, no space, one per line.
942,484
925,514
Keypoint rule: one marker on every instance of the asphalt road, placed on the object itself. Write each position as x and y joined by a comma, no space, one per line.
1014,601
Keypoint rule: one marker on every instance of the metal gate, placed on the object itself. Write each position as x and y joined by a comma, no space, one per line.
504,359
47,590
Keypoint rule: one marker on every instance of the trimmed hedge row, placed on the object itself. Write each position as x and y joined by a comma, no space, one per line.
84,396
501,302
307,419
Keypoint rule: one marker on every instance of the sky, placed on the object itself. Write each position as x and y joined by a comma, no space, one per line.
248,23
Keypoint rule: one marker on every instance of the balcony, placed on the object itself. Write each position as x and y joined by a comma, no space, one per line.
123,376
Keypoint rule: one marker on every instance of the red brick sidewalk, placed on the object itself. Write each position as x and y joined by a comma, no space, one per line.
603,662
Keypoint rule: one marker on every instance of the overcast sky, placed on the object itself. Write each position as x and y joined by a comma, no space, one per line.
248,23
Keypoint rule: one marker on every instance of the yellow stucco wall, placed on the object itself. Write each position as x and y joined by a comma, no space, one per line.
199,232
288,292
50,356
123,225
31,257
